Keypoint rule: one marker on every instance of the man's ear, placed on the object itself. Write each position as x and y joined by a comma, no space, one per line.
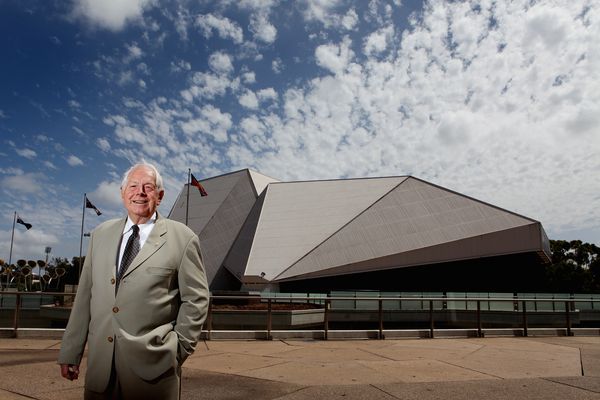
160,196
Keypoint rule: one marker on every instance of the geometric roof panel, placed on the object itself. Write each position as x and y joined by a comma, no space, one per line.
415,215
298,216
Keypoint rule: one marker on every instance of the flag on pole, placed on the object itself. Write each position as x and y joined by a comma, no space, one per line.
199,186
88,204
25,224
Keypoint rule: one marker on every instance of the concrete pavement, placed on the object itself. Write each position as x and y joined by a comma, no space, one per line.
491,368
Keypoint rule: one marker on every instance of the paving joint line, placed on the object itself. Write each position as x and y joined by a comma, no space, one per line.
53,345
570,385
383,391
263,367
471,369
292,392
581,362
384,357
20,394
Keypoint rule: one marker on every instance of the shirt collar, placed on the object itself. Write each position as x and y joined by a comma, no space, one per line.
130,223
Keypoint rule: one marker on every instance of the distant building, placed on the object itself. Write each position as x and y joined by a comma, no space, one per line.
390,234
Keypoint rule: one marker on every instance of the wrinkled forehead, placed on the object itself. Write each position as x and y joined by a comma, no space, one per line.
141,175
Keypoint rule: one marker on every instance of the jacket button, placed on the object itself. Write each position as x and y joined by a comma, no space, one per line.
110,339
112,281
115,309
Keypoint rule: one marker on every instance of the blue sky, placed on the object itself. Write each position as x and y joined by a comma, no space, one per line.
496,100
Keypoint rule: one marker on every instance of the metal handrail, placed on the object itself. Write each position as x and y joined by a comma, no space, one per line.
326,300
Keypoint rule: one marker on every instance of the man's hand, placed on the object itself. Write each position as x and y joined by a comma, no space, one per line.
69,371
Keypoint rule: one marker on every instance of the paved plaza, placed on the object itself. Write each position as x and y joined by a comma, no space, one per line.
469,368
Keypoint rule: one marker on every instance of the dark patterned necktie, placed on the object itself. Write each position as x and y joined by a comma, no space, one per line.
131,250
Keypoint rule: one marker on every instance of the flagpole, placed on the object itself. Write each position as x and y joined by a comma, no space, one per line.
81,237
12,238
187,203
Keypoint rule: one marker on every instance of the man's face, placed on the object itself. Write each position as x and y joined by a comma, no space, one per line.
140,195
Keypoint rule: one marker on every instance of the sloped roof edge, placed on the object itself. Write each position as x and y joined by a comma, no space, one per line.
344,269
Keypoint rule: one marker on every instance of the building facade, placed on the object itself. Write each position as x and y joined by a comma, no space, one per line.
390,233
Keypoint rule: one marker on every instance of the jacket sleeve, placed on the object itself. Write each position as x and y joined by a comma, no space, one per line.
75,336
193,289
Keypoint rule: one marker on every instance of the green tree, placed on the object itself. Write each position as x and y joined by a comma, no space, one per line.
73,275
575,267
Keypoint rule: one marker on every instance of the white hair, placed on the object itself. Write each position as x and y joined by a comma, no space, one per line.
158,181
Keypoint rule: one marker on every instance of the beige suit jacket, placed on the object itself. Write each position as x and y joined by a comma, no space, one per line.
155,319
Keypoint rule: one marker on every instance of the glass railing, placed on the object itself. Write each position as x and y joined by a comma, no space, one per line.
425,314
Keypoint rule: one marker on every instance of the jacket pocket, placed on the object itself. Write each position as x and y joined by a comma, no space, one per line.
161,271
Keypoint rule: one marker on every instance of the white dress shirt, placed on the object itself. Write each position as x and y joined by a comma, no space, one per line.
144,232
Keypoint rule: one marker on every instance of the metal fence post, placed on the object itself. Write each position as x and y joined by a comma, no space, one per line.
17,314
431,319
568,315
326,318
269,320
209,318
381,320
525,318
479,332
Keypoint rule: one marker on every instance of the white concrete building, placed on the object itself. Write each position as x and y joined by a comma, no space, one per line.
389,233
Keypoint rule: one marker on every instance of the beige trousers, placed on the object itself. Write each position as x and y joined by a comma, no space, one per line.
125,385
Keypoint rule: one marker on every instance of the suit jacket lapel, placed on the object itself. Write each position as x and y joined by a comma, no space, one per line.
155,241
113,247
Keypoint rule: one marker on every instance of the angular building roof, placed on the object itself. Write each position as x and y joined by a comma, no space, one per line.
218,217
254,229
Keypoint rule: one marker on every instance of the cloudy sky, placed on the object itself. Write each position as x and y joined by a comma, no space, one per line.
494,99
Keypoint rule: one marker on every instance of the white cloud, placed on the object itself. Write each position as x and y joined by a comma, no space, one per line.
27,153
335,57
211,122
180,65
350,19
378,41
322,11
267,94
27,244
27,183
547,25
254,134
249,77
50,165
3,114
110,14
103,144
74,104
107,194
181,22
125,78
143,68
131,134
277,65
249,100
262,29
113,120
74,161
134,52
220,63
208,86
226,28
194,126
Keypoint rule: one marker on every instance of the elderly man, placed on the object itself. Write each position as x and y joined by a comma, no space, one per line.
141,301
